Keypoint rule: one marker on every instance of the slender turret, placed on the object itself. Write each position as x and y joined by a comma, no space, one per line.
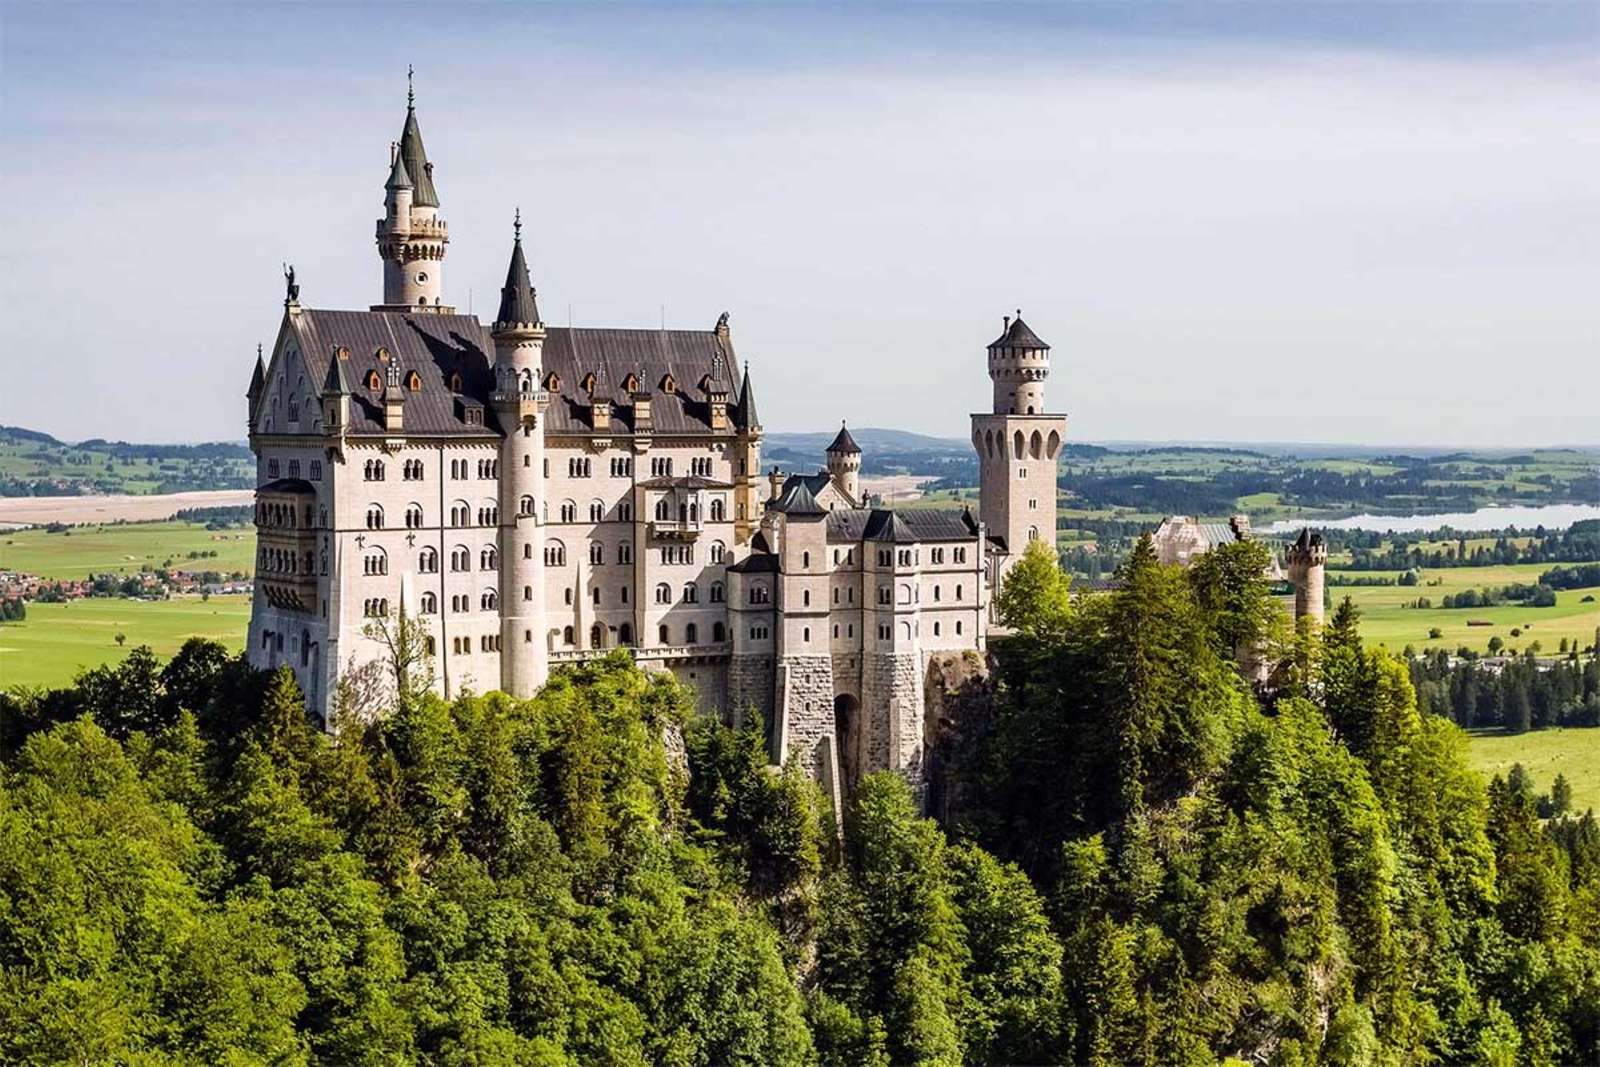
519,402
844,465
411,236
1307,559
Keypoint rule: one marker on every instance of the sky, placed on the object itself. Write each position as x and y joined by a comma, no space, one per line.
1367,223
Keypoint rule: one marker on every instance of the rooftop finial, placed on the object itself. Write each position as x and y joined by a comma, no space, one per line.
516,226
411,91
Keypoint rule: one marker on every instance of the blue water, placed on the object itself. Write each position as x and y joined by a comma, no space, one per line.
1550,516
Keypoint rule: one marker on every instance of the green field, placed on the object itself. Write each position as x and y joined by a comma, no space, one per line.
126,549
1385,621
59,639
1544,754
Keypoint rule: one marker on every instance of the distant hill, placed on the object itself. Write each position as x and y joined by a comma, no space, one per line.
37,464
869,437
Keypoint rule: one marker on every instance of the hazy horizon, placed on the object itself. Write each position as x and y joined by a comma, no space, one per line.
1324,225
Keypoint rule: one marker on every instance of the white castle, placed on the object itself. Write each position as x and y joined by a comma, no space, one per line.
536,496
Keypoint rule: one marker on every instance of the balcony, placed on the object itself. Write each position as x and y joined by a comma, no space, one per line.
676,529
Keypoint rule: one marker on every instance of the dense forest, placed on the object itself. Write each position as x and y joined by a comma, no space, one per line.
1523,695
1139,858
1579,543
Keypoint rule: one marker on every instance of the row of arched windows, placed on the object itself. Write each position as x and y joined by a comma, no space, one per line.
283,561
690,593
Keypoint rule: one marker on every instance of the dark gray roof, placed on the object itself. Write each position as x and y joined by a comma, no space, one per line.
1018,335
335,383
439,347
844,444
258,379
398,178
744,410
1308,538
288,485
517,303
797,501
848,525
416,162
685,481
756,563
815,483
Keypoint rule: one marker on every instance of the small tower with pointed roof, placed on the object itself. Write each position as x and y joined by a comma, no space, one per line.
749,495
1017,443
520,402
1307,558
844,465
411,235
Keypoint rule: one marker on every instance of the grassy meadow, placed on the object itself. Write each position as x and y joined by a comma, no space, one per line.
1544,754
126,548
57,640
1386,621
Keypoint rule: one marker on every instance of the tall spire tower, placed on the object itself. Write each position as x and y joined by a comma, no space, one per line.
411,235
1017,444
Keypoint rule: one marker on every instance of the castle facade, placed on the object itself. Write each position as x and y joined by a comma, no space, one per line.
533,496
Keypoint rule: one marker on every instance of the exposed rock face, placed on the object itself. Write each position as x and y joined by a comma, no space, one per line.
958,703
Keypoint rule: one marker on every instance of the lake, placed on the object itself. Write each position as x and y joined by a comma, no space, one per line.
1550,516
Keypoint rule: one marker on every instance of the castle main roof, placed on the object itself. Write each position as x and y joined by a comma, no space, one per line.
443,349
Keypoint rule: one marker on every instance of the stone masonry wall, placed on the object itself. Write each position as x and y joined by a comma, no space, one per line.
892,706
805,697
750,686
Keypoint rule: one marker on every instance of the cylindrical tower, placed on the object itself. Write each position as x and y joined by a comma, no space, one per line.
1019,362
1307,559
519,401
411,235
844,465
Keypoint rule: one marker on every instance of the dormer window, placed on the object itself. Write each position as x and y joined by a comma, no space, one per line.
414,382
553,382
383,355
669,384
630,384
588,383
373,381
455,381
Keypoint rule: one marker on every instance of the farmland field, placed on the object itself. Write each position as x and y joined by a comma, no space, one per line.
126,549
1386,621
1544,754
59,639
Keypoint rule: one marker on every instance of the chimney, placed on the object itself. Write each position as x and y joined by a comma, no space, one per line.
774,484
600,413
641,412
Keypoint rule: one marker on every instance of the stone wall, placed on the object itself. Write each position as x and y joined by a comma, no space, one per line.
892,714
750,687
805,695
958,708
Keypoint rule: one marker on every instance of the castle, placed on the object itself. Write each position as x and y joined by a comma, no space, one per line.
534,496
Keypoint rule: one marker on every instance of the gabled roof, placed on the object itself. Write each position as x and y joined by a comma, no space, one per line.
844,444
849,525
684,481
416,162
298,486
443,348
1018,335
517,304
797,501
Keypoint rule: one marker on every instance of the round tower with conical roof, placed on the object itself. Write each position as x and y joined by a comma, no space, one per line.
411,235
1017,443
520,401
844,465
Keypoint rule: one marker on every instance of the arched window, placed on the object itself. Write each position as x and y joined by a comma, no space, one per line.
525,505
455,382
625,634
718,509
662,510
567,635
489,601
691,634
374,517
429,604
663,635
719,632
413,516
569,511
460,514
805,561
489,559
716,592
691,593
625,552
375,562
597,553
597,636
1033,533
460,558
597,511
555,554
663,593
718,551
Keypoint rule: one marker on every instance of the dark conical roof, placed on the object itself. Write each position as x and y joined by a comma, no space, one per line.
416,162
1018,335
799,500
336,384
517,304
1307,538
258,378
399,177
844,443
744,411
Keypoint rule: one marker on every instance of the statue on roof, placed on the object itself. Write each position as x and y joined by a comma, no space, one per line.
292,289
